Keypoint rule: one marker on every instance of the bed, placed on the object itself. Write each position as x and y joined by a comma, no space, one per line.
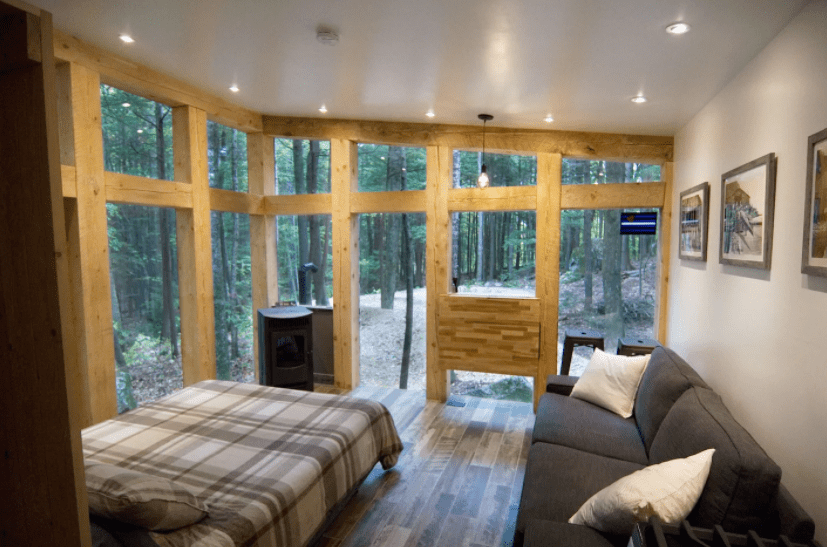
268,464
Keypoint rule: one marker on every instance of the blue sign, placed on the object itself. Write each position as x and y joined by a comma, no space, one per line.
638,223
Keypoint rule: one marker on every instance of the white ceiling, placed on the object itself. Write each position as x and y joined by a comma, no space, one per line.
580,60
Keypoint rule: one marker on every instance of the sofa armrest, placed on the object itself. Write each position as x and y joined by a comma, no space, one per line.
560,384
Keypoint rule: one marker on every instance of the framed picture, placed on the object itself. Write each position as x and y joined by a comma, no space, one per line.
694,223
747,206
814,250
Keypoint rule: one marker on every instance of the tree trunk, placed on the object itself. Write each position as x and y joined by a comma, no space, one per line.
612,250
407,255
298,177
390,252
168,327
455,260
316,249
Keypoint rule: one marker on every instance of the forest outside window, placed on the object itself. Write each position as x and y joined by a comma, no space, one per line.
144,288
503,169
233,293
305,240
494,253
302,167
608,172
385,168
608,281
227,157
137,135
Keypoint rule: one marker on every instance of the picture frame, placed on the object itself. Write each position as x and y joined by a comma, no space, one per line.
693,223
747,212
814,248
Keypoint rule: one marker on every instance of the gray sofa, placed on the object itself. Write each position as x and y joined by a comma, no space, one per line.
579,448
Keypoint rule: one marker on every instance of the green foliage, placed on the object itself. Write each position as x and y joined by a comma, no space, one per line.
287,181
503,169
227,157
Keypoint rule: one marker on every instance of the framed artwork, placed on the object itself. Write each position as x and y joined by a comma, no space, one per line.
814,250
747,206
694,223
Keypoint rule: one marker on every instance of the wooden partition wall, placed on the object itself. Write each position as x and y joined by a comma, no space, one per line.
453,320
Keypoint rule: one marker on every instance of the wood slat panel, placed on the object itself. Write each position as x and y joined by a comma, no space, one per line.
574,144
122,188
236,202
412,201
613,196
152,84
497,335
304,204
68,178
514,198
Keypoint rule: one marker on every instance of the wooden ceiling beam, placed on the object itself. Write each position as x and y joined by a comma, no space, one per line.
654,150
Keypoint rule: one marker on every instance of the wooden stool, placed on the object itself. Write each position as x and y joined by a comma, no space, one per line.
578,337
636,346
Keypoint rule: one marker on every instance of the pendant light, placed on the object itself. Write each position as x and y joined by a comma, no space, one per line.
483,181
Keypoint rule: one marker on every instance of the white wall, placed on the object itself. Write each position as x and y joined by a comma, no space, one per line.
760,337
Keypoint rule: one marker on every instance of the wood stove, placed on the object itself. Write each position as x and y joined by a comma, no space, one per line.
285,348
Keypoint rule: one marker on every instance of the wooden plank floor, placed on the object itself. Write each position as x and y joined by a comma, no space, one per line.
457,483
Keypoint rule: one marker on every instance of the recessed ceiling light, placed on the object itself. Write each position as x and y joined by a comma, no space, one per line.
548,118
430,114
234,88
126,39
140,131
639,99
323,109
677,28
125,105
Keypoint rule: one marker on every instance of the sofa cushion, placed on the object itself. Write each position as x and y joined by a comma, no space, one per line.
545,532
579,424
666,377
559,479
743,481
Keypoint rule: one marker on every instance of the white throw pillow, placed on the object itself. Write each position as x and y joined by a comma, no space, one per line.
669,490
611,381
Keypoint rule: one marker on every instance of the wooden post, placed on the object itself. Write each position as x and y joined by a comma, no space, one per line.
549,191
263,236
42,483
664,250
438,278
89,250
195,283
344,180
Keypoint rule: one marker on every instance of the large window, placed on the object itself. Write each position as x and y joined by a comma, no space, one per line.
233,293
385,168
137,135
494,253
607,172
392,300
503,169
305,257
608,281
144,277
302,167
227,156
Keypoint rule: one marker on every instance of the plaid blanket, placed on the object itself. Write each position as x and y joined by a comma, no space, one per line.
269,462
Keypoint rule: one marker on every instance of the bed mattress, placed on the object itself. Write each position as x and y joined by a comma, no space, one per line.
269,462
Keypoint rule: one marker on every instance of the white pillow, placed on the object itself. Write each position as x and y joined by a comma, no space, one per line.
669,490
611,381
143,500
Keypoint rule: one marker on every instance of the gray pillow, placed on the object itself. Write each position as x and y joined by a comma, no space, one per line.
140,499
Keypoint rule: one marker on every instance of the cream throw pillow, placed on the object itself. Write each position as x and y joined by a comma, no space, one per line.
610,381
139,499
669,490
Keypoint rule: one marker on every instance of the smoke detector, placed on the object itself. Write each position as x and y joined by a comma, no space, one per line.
327,36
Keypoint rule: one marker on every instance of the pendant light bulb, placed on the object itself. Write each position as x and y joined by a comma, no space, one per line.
483,181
